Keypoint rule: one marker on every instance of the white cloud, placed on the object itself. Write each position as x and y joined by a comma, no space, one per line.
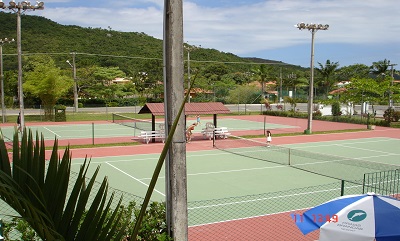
248,27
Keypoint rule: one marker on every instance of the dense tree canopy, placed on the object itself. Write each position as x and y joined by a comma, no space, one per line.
45,81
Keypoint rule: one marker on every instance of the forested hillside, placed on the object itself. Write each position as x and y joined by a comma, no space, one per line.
102,55
41,35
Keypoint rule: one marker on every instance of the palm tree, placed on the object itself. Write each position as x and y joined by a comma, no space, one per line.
327,72
260,75
38,190
380,68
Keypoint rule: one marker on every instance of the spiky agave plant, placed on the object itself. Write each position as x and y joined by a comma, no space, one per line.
38,190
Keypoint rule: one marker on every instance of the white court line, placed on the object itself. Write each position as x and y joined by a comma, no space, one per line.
267,198
142,159
51,131
135,178
347,143
364,149
228,171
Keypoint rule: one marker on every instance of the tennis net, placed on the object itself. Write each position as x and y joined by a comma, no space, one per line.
139,124
342,168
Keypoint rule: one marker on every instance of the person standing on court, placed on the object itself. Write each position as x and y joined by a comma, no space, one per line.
269,138
189,132
198,119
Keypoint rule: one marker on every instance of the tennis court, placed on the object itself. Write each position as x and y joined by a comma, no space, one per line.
215,176
64,131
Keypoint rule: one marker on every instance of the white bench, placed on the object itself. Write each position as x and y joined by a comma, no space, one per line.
222,132
149,135
208,132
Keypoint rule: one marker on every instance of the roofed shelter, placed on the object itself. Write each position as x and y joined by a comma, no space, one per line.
207,108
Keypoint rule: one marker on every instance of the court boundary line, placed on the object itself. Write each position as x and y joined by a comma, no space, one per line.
51,131
138,180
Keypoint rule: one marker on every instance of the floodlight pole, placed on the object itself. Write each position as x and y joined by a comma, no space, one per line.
392,75
313,28
3,107
189,49
73,66
18,8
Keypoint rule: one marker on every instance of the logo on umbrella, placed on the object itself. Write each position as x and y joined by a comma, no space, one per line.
357,215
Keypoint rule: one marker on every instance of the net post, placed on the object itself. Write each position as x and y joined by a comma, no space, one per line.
92,133
113,117
342,188
213,138
363,191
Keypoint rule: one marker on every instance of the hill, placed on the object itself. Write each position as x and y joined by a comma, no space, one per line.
103,47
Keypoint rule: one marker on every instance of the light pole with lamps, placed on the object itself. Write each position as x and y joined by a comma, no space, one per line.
73,66
3,107
19,8
312,28
189,49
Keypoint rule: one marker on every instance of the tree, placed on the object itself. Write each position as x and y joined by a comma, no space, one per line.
380,68
260,74
356,71
244,94
39,193
364,90
44,80
327,73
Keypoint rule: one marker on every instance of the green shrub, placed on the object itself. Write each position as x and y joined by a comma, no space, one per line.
59,113
153,226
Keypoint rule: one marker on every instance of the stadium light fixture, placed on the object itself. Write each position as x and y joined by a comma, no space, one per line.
313,28
20,8
3,107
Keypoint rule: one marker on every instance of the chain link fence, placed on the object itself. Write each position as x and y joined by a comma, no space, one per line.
268,216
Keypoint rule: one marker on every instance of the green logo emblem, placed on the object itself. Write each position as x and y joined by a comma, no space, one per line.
356,215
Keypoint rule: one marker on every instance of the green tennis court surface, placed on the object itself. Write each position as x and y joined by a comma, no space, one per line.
215,178
241,125
78,131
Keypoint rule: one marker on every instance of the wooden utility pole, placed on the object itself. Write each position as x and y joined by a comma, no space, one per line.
175,163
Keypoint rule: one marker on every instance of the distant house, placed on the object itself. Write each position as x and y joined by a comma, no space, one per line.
120,81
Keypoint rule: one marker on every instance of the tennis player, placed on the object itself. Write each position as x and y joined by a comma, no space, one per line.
189,132
269,138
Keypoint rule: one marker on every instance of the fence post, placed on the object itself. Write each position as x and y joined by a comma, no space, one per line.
342,188
213,138
1,230
92,133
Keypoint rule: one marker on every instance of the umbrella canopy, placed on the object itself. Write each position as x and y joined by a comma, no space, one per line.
366,217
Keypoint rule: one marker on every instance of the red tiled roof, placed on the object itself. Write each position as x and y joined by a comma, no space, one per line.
157,109
338,91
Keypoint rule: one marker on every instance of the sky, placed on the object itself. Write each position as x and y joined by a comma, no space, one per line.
360,31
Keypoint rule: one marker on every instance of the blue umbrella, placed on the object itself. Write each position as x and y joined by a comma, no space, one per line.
366,217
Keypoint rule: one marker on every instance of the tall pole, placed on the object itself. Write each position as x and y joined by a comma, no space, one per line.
20,82
175,169
3,109
188,69
312,28
311,89
18,7
281,93
75,84
3,106
392,75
